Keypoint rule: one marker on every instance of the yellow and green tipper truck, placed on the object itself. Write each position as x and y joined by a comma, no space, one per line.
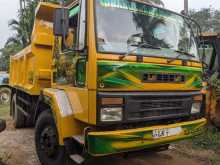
103,77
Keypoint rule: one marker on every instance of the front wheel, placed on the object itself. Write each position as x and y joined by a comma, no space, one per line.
46,140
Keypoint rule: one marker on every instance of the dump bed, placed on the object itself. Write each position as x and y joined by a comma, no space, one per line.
30,69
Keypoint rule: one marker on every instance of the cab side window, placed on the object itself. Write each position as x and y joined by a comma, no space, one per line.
73,27
77,26
82,26
71,66
66,63
210,57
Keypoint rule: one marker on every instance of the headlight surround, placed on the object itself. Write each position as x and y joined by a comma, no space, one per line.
111,114
196,108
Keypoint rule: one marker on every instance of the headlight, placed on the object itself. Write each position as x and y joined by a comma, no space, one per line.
111,114
196,108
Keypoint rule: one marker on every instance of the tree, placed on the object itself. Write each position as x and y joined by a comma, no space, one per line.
24,25
208,18
6,52
216,21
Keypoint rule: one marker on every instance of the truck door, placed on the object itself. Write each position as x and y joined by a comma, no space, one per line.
71,65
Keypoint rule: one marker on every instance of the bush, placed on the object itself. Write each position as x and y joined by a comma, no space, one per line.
210,139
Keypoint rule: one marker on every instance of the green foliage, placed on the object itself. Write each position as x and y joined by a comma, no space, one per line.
208,18
214,80
208,140
214,161
6,52
4,112
24,25
216,20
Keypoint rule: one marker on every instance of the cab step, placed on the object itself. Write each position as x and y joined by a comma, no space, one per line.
77,158
75,153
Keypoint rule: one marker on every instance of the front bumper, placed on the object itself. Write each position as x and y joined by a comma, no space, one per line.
113,142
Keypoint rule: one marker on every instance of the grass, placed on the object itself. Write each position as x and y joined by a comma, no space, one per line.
205,147
4,111
214,161
210,139
4,157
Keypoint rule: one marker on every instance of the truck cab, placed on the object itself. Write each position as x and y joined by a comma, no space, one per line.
211,53
104,77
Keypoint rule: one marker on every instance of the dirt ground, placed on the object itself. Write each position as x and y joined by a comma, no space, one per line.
17,148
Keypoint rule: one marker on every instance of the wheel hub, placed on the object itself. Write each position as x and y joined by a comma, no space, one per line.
4,97
49,143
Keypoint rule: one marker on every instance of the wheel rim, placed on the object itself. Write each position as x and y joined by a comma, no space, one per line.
48,142
5,97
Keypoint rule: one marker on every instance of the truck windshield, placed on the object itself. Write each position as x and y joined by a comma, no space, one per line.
121,24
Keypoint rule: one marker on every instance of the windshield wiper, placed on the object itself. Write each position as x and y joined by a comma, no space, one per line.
181,53
140,45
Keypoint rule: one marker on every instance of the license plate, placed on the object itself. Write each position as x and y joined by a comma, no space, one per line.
166,132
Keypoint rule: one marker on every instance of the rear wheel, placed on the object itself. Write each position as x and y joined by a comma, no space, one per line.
18,117
46,140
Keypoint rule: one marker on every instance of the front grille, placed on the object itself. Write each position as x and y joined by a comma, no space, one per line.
163,78
157,107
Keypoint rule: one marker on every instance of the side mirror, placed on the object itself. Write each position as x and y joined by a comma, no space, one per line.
61,22
2,125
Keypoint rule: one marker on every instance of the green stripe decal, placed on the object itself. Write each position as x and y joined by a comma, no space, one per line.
112,143
113,74
74,11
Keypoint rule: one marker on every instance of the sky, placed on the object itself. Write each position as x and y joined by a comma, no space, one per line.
177,5
9,8
8,11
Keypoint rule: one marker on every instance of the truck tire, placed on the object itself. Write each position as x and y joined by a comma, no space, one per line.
47,144
18,117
